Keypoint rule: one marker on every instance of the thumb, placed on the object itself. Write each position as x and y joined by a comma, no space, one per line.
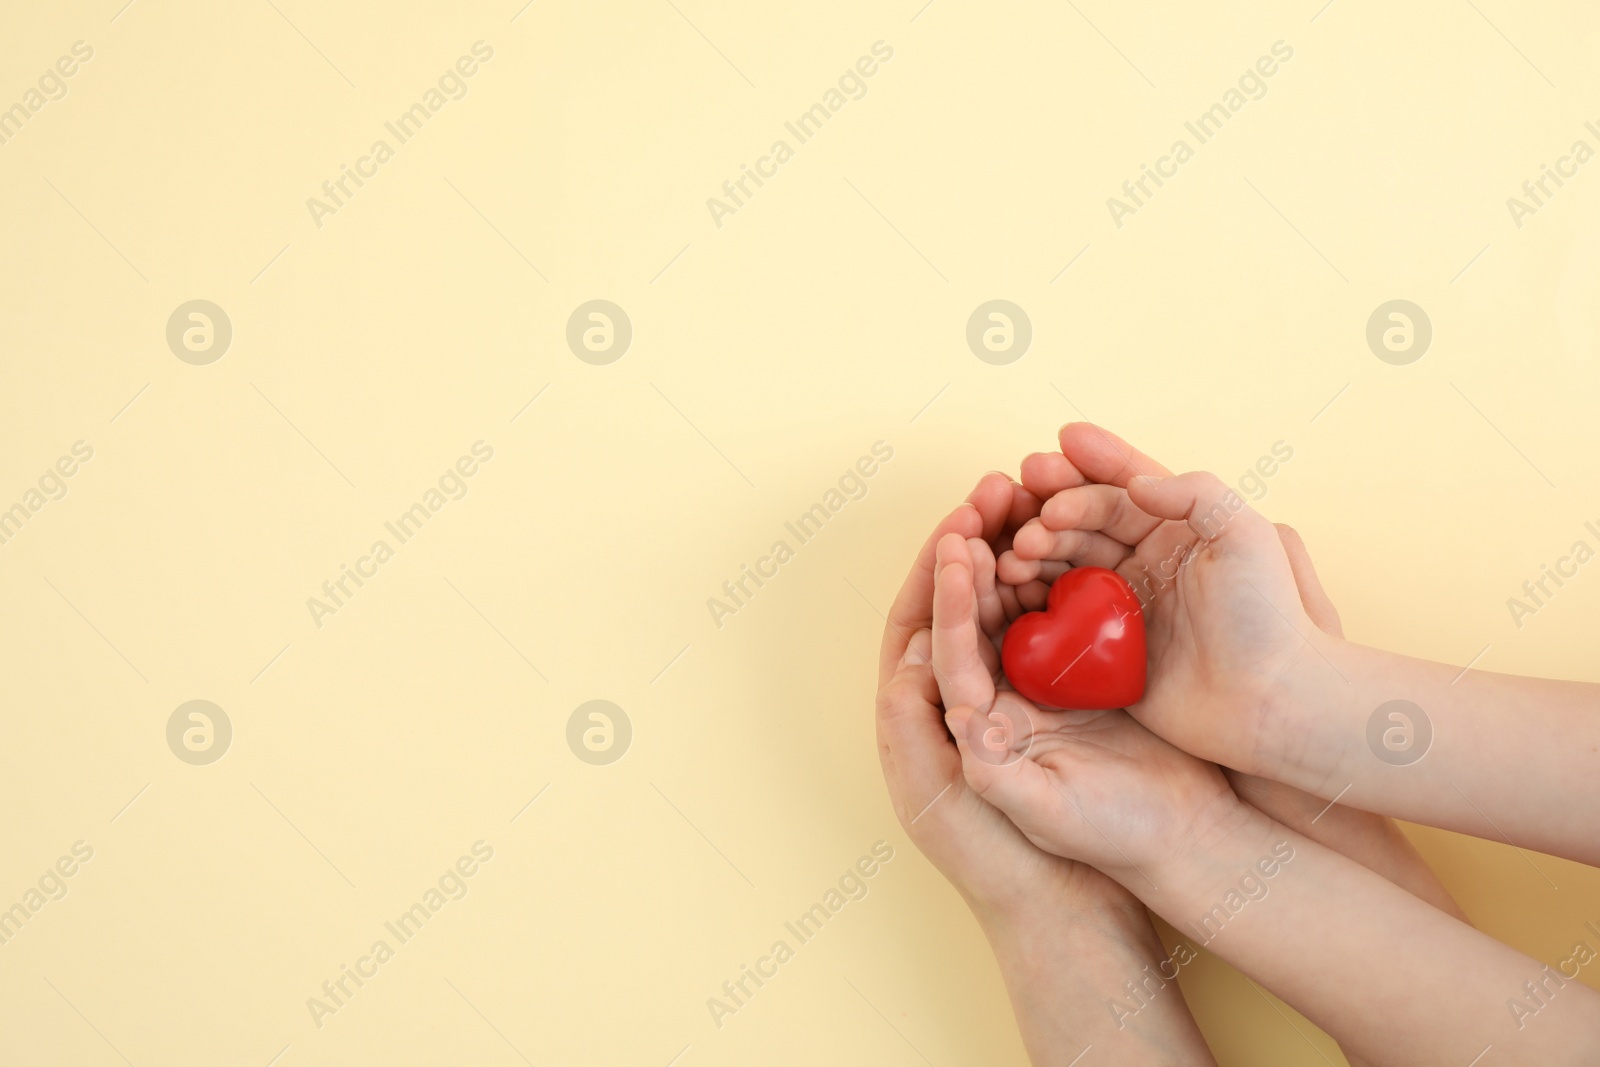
1318,605
1209,507
994,744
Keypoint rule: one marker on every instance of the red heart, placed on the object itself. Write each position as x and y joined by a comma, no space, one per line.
1085,650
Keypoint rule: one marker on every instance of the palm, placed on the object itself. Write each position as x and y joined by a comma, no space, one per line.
1223,614
1097,785
1221,631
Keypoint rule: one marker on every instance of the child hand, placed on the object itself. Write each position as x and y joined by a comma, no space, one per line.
1226,629
1370,839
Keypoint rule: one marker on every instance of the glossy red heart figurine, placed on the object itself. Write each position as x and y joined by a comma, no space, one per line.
1085,651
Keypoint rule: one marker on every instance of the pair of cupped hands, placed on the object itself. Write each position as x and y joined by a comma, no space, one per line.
1089,805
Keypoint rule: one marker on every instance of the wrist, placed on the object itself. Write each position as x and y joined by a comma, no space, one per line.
1305,733
1072,902
1093,971
1225,861
1083,917
1069,952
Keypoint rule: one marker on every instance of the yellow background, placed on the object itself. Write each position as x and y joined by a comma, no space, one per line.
768,354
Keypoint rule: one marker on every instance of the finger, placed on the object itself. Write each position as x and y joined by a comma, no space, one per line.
985,509
1318,605
912,609
918,758
1031,596
957,662
1008,597
1101,456
992,497
1024,506
991,612
1012,569
1098,507
1212,510
1044,474
1081,548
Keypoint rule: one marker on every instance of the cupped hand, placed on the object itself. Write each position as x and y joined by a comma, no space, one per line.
1092,786
984,855
1087,517
1226,627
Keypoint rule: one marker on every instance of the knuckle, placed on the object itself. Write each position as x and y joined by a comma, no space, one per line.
977,781
897,700
1057,509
